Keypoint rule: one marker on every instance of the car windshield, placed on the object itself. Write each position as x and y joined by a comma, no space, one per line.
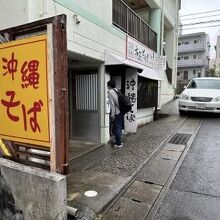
204,84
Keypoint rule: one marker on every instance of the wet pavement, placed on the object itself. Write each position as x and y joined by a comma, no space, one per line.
195,191
154,177
110,171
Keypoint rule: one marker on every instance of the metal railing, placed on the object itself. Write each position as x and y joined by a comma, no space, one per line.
191,62
128,21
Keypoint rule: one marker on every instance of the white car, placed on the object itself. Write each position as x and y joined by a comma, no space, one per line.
201,95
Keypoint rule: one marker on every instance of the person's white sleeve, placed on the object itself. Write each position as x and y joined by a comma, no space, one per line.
112,104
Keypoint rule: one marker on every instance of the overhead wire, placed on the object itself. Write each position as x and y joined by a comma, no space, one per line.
202,22
200,18
204,12
186,19
200,27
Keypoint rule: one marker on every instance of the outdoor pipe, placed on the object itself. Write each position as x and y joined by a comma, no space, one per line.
72,211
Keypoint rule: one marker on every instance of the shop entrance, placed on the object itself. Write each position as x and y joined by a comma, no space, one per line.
84,110
84,117
117,73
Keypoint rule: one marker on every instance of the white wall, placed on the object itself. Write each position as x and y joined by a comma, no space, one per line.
100,8
144,116
170,11
170,47
12,13
93,35
167,90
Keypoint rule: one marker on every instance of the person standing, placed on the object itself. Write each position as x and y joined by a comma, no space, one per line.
115,115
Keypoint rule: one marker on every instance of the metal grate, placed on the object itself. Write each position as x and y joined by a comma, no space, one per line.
180,138
201,99
87,92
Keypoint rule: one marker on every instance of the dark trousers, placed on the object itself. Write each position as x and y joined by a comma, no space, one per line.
118,125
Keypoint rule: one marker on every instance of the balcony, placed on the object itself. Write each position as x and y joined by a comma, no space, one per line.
191,47
128,21
191,63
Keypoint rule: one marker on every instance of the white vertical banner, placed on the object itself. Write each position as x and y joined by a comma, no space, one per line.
107,103
131,82
164,63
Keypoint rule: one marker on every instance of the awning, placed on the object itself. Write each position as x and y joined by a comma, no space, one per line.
112,59
151,74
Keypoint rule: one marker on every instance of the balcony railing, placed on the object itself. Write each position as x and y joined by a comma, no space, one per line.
191,62
128,21
191,47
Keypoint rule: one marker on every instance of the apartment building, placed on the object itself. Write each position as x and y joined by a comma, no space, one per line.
193,58
122,40
217,59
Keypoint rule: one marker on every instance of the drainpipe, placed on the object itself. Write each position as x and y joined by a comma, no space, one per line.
162,28
44,8
161,49
176,43
71,211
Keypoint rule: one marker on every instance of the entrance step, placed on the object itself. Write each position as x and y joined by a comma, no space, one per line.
79,148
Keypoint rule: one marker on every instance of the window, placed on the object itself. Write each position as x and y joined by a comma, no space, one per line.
178,73
194,72
179,43
147,93
204,84
194,56
179,58
185,75
199,74
199,56
195,41
186,57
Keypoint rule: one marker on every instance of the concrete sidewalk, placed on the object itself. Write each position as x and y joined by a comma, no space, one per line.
109,171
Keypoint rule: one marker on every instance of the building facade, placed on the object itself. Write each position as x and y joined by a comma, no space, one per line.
217,58
193,58
212,64
110,39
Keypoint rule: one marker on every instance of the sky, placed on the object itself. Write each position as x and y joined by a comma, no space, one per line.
198,6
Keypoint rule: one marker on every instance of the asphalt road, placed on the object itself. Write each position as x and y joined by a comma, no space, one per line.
195,192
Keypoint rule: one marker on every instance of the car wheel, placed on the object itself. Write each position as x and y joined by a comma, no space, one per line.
182,112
